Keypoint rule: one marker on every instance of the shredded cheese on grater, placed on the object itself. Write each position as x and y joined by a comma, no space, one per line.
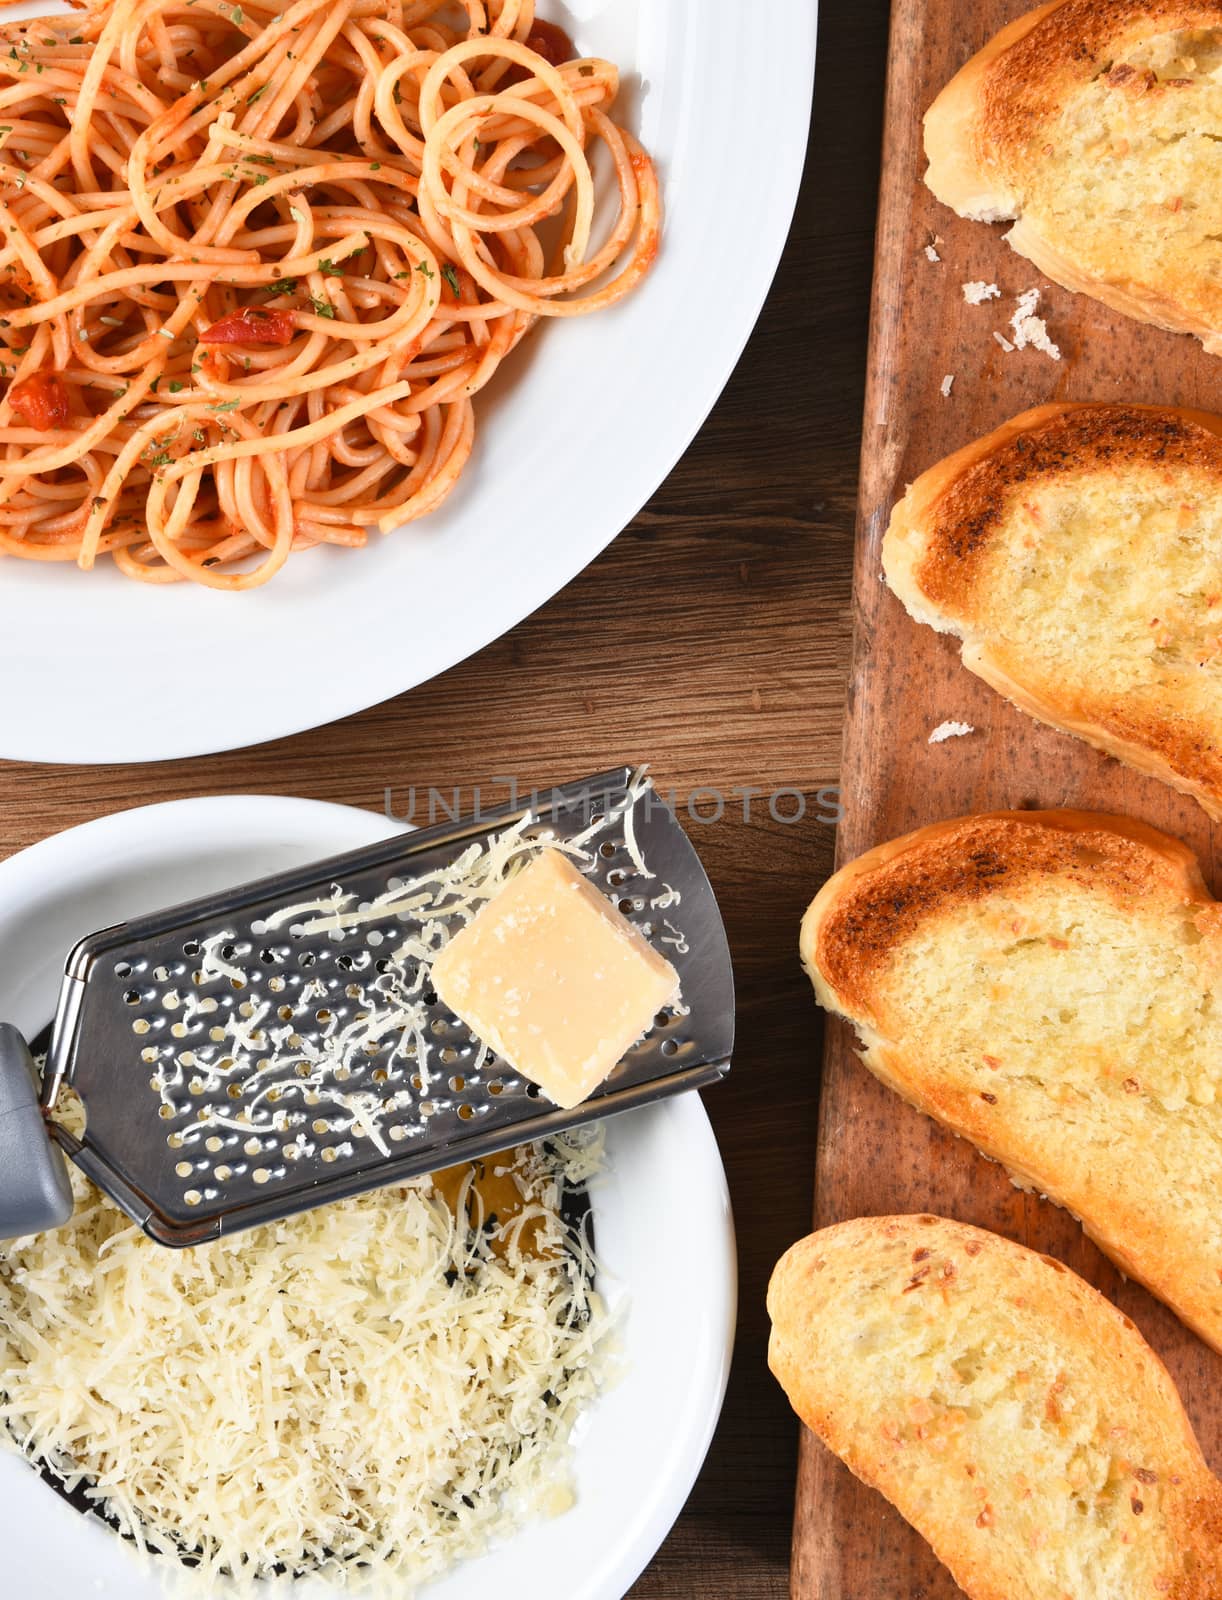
370,1391
295,1084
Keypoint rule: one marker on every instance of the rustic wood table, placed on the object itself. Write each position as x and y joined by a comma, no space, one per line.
711,640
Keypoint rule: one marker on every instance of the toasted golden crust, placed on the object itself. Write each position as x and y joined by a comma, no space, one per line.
1058,1117
873,904
999,120
938,546
920,1351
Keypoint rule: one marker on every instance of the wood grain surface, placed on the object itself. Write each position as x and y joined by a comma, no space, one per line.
712,639
876,1155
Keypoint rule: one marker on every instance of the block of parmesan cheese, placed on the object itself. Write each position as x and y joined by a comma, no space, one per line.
553,978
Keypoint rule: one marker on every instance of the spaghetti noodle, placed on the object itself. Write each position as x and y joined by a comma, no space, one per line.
257,257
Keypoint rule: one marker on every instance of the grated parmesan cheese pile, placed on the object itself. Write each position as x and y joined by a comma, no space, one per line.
368,1392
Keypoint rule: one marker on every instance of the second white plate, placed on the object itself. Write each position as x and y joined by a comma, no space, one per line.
664,1233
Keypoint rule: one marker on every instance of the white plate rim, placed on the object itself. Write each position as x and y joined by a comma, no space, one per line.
153,838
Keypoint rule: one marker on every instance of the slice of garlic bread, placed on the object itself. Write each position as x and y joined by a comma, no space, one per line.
1096,126
1013,1416
1077,552
1048,984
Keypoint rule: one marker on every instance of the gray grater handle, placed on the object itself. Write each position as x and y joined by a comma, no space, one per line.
35,1193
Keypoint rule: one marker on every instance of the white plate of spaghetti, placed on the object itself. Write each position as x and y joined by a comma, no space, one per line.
336,335
365,1393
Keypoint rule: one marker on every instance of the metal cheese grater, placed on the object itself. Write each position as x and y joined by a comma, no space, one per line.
244,1057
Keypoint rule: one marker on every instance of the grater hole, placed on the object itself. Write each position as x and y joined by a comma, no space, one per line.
381,1076
132,997
191,948
383,966
398,1134
627,907
123,969
252,1147
237,983
616,878
466,1112
306,958
427,1108
606,849
213,1145
320,1126
328,1154
234,1091
663,1019
175,1141
429,997
374,938
669,1047
449,1055
285,1013
345,963
533,1091
276,984
164,1113
183,1169
142,1025
496,1087
261,1175
228,951
193,1197
149,1053
438,1026
458,1084
268,957
322,1015
303,1069
223,1174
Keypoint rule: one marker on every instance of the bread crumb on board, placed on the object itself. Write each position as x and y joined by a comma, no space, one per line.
931,254
977,293
1031,331
948,383
950,730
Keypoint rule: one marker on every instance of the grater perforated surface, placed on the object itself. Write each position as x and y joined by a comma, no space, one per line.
239,1063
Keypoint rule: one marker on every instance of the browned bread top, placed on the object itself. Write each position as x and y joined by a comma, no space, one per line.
864,915
966,498
1049,986
1014,1417
1093,125
1077,551
1042,57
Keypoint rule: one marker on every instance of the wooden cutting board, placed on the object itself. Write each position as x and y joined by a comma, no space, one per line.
875,1154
